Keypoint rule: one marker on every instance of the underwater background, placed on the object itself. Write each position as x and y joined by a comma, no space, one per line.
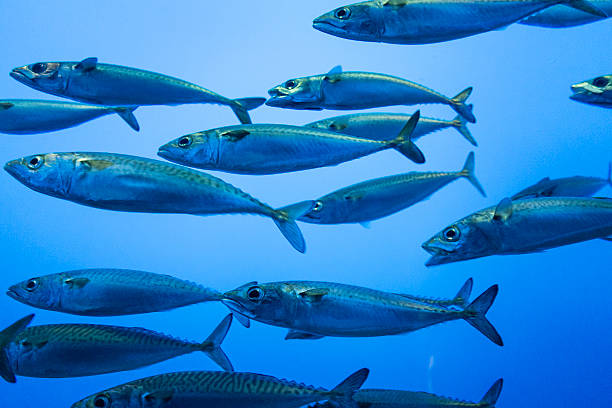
553,309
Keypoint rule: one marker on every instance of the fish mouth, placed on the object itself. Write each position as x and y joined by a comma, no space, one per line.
439,256
20,75
13,294
12,168
163,152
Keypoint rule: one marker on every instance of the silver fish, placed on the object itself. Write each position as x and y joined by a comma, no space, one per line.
105,84
596,91
312,310
360,90
109,292
431,21
210,389
376,398
381,197
561,16
136,184
31,116
78,350
576,186
273,149
385,126
522,227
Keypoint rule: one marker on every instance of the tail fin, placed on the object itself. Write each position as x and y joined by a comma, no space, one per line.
6,336
468,172
476,315
490,398
403,142
285,221
462,297
243,105
461,125
343,392
586,6
212,345
127,114
458,104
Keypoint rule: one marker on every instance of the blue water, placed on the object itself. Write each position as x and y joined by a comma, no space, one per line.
553,309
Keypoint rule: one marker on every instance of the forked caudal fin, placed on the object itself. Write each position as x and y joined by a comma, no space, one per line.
212,345
127,114
476,311
461,125
241,107
490,398
6,337
586,6
285,217
403,142
459,105
343,392
468,172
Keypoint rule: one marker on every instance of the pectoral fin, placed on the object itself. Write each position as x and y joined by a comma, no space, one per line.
299,335
77,282
95,164
6,105
156,398
314,295
333,75
88,64
503,211
235,135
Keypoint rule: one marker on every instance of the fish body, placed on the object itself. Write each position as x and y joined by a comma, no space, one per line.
576,186
385,126
212,389
109,292
317,309
106,84
596,91
377,198
561,16
271,149
352,90
77,350
430,21
135,184
522,226
31,116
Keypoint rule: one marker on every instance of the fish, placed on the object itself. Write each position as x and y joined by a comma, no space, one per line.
576,186
105,84
213,389
313,310
272,149
136,184
32,116
522,227
109,292
79,350
596,91
432,21
379,398
384,126
377,198
560,16
360,90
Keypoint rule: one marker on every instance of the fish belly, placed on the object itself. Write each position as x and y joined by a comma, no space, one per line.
561,16
230,400
20,120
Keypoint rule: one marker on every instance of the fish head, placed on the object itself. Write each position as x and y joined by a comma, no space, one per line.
359,21
322,212
297,93
199,147
262,302
596,91
49,77
43,292
46,173
119,397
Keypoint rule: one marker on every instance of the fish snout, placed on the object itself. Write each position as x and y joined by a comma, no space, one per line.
12,167
13,293
21,74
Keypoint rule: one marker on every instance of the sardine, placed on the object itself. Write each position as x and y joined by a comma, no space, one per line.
78,350
273,149
596,91
385,126
360,90
381,197
31,116
109,292
561,16
432,21
128,183
211,389
312,310
522,227
105,84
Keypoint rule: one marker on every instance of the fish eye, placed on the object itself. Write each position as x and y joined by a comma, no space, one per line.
184,141
290,84
102,401
600,82
35,162
38,68
32,284
255,294
451,234
343,13
318,206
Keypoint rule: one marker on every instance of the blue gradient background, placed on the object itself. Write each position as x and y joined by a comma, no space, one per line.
553,308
